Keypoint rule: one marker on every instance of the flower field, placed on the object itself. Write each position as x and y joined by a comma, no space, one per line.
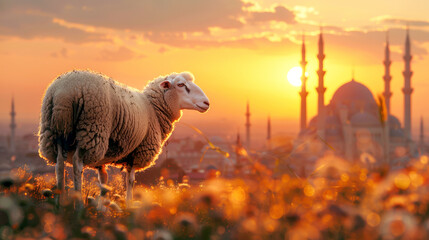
339,201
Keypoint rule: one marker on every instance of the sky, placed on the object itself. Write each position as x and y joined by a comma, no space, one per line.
238,50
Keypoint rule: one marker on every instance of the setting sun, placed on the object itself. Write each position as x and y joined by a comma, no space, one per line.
294,76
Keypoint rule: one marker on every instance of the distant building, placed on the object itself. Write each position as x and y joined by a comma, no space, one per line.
12,147
17,151
247,125
185,151
422,145
268,144
191,154
354,125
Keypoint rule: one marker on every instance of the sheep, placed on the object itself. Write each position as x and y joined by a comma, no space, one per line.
90,120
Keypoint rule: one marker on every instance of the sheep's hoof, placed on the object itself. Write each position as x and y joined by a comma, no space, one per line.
115,207
104,189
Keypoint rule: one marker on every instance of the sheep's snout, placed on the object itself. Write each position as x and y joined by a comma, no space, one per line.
203,105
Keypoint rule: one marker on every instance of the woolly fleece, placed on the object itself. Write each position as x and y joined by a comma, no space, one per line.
107,122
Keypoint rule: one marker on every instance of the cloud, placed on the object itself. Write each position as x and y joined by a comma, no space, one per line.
303,12
29,25
188,24
400,21
369,43
280,14
373,42
148,15
254,43
93,21
120,54
248,4
332,29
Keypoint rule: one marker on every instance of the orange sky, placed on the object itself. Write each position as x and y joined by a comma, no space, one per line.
238,51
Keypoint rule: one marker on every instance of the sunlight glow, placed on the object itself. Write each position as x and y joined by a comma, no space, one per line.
294,76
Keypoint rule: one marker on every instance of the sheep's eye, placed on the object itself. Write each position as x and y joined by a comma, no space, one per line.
181,85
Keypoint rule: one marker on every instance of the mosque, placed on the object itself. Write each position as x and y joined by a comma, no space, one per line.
354,125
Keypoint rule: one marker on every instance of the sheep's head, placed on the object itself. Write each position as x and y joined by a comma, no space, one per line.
187,94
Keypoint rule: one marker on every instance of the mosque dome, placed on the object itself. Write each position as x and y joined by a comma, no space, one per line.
394,122
364,119
332,127
356,97
395,129
313,122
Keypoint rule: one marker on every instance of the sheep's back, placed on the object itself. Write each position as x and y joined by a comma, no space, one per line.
90,111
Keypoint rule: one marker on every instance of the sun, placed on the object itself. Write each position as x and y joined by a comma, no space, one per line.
294,76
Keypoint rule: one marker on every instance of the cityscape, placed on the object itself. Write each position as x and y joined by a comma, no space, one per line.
354,125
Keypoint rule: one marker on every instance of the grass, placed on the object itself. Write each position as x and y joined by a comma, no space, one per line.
339,201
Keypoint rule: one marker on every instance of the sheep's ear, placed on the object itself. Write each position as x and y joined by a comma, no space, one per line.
165,84
187,76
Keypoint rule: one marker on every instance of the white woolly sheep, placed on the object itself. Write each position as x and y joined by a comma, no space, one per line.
88,119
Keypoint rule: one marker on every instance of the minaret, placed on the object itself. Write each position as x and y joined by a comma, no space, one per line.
269,129
387,77
422,137
303,92
247,126
238,148
321,89
269,133
407,90
12,128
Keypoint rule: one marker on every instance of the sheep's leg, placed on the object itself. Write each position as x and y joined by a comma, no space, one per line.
102,179
77,173
130,177
59,172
